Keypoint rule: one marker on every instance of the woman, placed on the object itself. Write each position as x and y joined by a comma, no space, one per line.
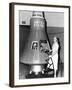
54,55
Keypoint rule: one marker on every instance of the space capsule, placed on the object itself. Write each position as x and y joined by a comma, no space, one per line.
36,43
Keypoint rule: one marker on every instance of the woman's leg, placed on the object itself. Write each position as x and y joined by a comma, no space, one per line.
55,72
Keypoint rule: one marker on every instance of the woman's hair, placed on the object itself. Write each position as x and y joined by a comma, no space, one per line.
56,38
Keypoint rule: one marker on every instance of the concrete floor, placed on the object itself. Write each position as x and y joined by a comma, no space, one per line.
24,70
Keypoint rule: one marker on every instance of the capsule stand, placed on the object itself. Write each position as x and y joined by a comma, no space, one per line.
37,41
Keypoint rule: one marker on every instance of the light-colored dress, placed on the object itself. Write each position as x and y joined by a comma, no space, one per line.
55,48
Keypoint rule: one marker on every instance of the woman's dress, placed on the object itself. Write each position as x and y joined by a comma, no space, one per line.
55,55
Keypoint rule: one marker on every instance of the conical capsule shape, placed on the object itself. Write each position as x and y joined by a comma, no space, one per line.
37,41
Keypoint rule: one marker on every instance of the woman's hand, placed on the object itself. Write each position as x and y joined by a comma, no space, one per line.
50,50
50,56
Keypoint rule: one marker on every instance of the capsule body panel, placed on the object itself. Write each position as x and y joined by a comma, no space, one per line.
37,40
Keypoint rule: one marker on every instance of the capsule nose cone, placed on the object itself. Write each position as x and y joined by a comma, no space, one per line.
38,14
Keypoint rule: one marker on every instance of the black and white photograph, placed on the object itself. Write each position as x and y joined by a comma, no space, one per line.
41,44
